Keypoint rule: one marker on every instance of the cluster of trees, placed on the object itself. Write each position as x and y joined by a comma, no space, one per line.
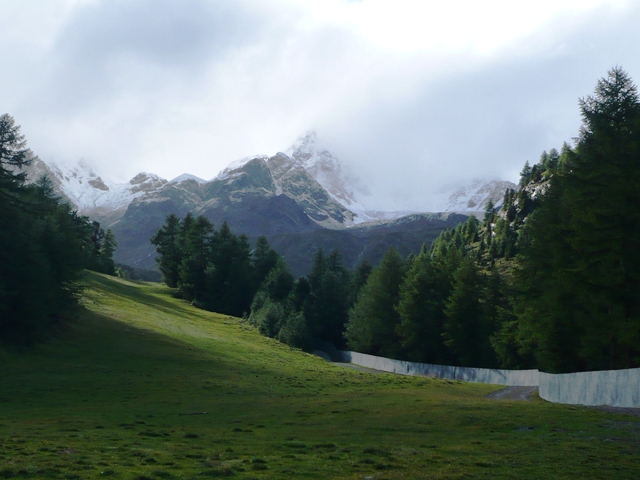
218,271
441,306
578,277
102,247
551,280
214,269
44,246
311,311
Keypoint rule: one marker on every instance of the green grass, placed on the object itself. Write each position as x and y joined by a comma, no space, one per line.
143,386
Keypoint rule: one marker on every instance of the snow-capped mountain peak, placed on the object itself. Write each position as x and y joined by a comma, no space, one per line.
238,164
342,185
187,176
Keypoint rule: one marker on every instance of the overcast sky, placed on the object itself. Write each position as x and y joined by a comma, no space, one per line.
411,95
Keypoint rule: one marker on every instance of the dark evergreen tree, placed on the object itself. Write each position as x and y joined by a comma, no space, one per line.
467,330
193,271
373,319
359,278
41,246
326,308
264,258
421,308
580,300
230,276
109,246
168,247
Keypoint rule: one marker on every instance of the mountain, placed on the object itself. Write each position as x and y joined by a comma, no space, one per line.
367,241
187,176
262,196
302,200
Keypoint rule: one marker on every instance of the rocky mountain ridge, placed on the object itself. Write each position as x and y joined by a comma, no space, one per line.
306,173
303,192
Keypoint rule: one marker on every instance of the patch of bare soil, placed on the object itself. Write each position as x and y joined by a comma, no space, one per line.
513,393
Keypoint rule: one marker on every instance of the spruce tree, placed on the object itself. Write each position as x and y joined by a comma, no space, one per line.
421,308
109,246
168,247
465,329
374,318
193,271
580,277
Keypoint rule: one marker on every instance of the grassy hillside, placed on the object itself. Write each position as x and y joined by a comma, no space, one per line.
143,386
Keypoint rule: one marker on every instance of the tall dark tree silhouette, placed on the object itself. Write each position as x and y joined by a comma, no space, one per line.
580,274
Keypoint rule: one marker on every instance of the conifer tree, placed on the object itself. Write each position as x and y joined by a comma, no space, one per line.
109,246
193,276
581,266
264,258
168,246
465,329
374,318
421,308
41,246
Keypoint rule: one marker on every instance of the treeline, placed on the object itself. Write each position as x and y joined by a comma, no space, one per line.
551,280
44,246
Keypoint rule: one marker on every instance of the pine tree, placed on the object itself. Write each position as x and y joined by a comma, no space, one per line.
581,266
465,328
326,307
41,246
373,319
14,155
109,246
264,258
421,308
193,271
168,247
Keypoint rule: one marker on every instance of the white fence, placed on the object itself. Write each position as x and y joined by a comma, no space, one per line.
616,388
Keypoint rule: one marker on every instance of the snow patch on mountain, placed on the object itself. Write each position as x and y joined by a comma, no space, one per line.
187,176
237,165
475,196
341,184
348,190
89,192
337,180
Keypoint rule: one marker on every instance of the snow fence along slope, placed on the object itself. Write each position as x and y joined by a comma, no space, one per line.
615,388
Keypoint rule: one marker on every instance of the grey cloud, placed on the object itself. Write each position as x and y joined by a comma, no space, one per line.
192,85
111,48
489,120
160,31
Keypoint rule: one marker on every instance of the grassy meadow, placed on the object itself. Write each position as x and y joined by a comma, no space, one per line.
143,386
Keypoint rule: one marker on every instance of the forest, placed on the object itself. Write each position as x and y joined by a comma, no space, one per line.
549,280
